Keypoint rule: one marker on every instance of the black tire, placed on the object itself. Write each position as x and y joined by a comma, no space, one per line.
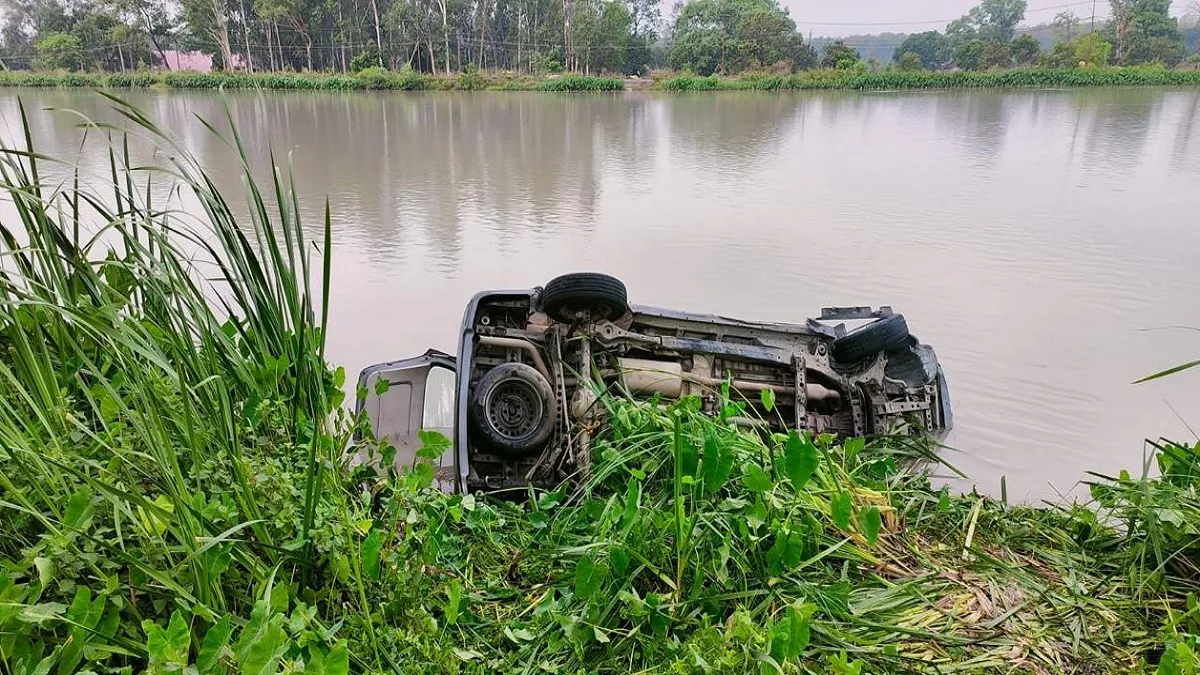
513,408
599,296
886,334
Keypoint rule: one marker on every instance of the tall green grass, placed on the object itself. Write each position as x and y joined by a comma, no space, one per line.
165,433
174,495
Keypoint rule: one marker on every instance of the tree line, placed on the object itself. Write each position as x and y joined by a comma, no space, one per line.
1138,32
532,36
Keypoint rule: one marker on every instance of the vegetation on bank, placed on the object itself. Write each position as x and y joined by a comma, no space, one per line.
409,80
175,497
365,80
962,79
548,37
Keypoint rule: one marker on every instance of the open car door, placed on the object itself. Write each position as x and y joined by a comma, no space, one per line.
403,397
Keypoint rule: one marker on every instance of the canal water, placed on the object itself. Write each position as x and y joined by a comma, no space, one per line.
1045,242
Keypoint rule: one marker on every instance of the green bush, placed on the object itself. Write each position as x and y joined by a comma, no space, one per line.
59,51
581,83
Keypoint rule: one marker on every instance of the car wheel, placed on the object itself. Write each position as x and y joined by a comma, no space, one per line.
514,409
884,335
584,295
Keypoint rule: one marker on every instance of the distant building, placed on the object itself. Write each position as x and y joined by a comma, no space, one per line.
197,61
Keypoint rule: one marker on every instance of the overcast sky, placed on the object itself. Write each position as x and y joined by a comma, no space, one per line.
848,17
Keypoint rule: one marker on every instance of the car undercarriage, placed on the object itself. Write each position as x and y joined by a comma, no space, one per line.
533,365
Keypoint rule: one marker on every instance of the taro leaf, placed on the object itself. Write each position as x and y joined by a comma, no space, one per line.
45,570
370,553
213,647
261,656
791,636
756,479
433,444
871,522
167,649
633,494
786,553
467,654
338,661
768,399
852,447
718,462
43,612
800,459
453,601
589,575
839,504
620,562
315,665
688,453
84,614
79,509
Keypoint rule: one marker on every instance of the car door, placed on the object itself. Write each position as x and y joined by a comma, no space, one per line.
403,397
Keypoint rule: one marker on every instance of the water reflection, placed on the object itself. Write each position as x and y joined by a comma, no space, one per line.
1028,235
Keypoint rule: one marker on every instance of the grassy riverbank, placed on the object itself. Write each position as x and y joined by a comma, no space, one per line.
174,495
1035,77
368,80
409,80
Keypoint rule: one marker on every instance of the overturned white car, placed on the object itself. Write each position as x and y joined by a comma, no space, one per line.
519,400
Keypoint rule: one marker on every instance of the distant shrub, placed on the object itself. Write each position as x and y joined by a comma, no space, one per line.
471,79
581,83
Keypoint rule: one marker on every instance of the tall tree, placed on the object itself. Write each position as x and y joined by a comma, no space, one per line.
991,20
932,47
1143,31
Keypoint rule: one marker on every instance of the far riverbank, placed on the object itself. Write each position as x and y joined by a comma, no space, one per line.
408,80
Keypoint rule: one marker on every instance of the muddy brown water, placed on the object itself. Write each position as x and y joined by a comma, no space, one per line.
1041,240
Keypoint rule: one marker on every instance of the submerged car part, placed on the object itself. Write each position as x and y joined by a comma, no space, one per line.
532,361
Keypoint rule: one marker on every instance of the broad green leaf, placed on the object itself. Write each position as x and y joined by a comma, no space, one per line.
589,575
768,399
214,647
315,665
45,570
433,444
756,479
381,386
786,553
338,660
871,522
370,553
791,636
79,509
467,654
254,628
43,612
262,655
840,507
853,446
519,635
800,459
167,649
687,453
633,494
717,462
453,600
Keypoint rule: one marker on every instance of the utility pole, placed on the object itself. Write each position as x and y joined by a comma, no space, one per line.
1093,16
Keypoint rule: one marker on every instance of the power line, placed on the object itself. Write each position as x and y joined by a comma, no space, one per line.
935,21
